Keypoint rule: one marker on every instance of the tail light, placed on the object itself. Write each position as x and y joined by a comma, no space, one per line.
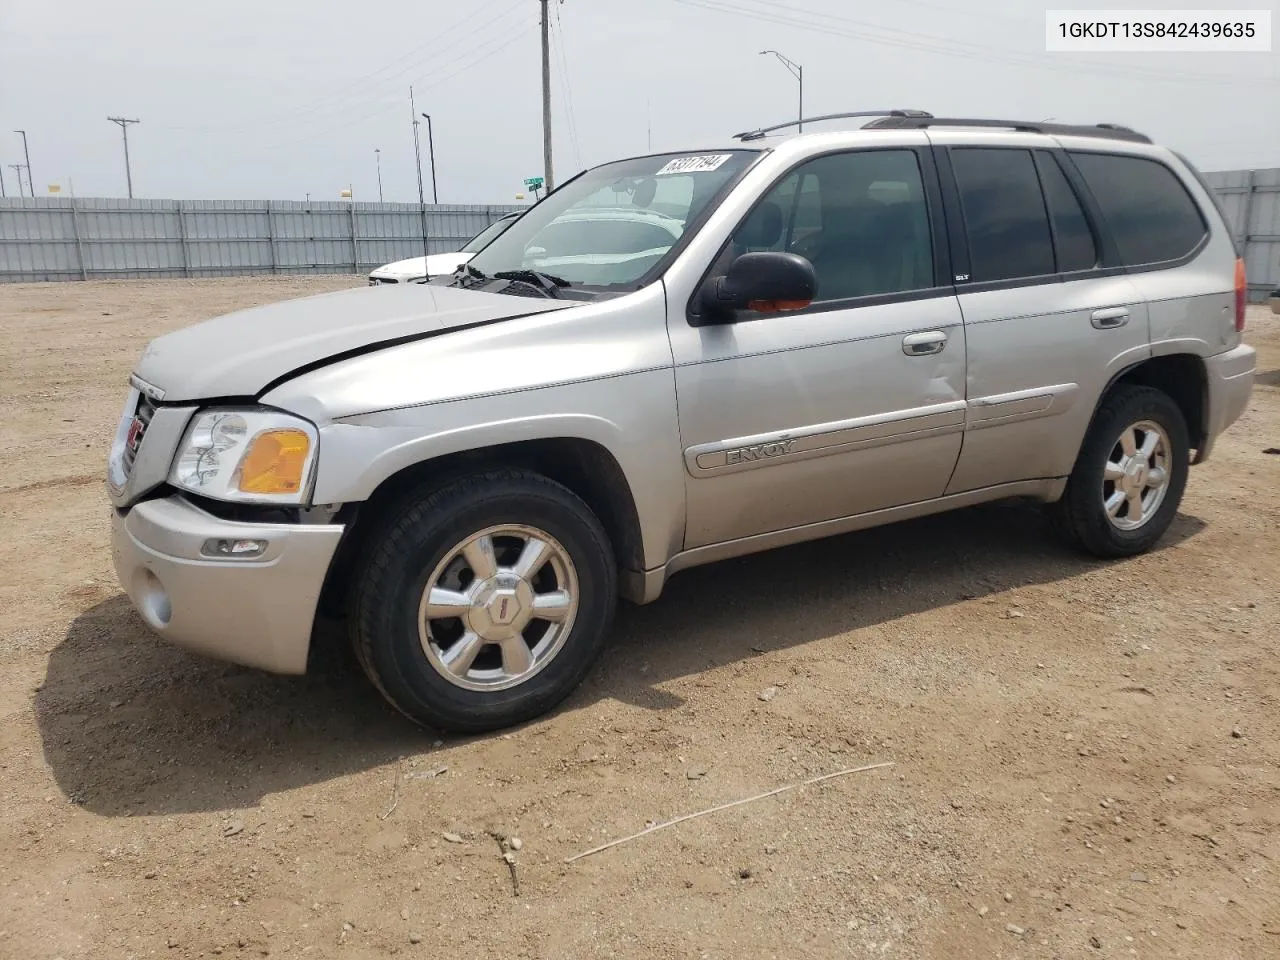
1242,295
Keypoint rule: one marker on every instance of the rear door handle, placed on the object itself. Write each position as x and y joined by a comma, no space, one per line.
1110,317
924,344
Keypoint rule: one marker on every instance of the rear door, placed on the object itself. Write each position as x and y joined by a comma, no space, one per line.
1164,241
1049,313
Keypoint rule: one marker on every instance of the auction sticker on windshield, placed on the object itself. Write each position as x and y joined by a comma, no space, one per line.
699,164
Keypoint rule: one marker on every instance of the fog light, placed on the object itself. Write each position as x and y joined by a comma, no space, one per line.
234,549
153,600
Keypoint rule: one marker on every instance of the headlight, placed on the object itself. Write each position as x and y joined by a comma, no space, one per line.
246,455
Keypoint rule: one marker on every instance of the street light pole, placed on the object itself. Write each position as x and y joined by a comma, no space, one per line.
431,149
27,156
417,157
797,71
377,153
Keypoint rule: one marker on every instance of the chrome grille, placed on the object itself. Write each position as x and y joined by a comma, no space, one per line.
137,429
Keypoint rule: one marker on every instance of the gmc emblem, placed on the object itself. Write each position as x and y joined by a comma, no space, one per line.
134,437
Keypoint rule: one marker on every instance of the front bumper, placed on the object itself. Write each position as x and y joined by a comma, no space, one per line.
1230,383
255,612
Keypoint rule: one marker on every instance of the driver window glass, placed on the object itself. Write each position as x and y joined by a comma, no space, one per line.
859,218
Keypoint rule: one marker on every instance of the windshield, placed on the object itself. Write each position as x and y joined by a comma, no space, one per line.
612,226
485,236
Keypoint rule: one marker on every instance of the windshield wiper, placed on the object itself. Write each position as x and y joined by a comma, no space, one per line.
549,283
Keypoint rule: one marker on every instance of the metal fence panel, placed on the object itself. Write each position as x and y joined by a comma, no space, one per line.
1251,202
65,238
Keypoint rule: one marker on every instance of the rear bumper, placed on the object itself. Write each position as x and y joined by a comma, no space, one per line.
255,612
1230,383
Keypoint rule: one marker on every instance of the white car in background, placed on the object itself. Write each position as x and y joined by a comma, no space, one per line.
439,264
620,238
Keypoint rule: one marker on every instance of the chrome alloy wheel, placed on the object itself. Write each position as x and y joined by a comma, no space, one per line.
498,608
1136,476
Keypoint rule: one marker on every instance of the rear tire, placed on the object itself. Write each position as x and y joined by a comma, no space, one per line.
484,603
1129,477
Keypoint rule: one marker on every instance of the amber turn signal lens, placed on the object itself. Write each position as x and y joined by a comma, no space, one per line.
777,306
274,463
1242,295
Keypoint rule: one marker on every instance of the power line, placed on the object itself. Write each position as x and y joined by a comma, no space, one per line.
355,113
566,89
360,87
518,35
804,19
361,113
968,14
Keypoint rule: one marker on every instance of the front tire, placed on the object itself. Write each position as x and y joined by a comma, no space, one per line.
1129,477
484,603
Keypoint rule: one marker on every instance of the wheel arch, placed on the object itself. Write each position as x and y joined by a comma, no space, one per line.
1183,377
586,467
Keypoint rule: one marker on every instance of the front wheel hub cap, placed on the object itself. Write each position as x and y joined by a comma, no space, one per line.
502,607
498,607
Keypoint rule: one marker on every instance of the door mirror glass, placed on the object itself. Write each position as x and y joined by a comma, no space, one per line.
765,282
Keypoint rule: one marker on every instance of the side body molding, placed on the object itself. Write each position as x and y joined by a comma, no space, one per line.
823,439
1020,405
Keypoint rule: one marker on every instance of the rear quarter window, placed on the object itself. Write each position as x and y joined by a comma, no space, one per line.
1145,205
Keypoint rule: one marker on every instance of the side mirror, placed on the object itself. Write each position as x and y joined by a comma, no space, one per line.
766,282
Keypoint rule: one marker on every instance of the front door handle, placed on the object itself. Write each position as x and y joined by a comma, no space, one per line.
1110,317
924,344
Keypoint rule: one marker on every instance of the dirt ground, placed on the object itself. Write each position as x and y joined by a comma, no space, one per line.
1086,755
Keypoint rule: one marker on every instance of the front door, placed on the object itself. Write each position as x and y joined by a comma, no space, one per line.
854,404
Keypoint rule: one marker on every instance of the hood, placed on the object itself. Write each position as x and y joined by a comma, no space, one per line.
239,354
411,269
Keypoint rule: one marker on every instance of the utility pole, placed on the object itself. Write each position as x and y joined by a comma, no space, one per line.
124,129
546,99
417,155
431,151
2,193
17,168
377,152
27,155
797,71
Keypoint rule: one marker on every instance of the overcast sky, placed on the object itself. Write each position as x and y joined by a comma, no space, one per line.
274,99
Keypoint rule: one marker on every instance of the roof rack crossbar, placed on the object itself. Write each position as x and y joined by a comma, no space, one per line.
1111,131
903,114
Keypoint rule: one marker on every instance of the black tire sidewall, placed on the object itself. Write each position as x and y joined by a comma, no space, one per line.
1091,525
407,554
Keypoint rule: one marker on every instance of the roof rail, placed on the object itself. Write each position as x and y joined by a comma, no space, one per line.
904,114
1111,131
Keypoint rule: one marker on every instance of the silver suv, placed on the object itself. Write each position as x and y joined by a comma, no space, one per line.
671,360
